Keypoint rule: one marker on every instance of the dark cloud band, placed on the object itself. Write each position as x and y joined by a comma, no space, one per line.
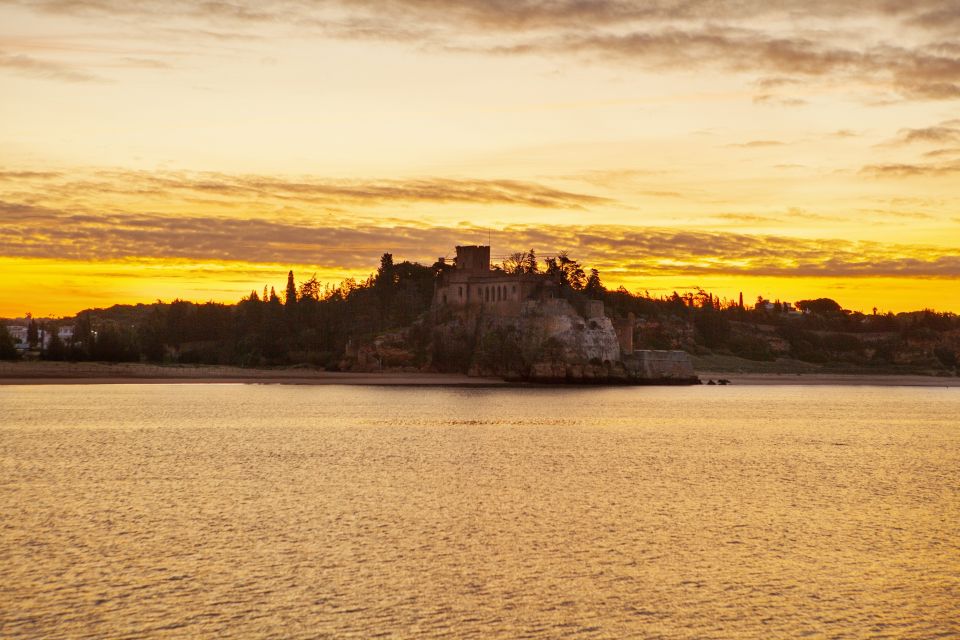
38,232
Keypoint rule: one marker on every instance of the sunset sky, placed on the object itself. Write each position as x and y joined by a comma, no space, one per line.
785,148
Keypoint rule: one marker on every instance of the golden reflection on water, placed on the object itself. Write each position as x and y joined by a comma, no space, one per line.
173,511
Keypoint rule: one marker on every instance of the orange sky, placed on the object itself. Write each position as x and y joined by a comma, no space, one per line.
788,149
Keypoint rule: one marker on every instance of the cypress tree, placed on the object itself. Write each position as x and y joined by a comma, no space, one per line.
33,333
291,295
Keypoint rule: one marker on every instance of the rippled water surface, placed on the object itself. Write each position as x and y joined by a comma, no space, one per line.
172,511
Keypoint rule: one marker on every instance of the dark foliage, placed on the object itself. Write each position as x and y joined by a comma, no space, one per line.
314,325
7,349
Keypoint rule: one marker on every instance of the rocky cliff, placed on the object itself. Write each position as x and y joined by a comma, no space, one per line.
544,341
549,341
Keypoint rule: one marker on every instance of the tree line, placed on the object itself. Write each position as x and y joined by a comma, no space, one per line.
311,323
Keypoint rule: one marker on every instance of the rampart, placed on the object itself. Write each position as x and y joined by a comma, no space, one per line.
660,366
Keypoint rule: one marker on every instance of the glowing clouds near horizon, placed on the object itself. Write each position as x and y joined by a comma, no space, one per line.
788,149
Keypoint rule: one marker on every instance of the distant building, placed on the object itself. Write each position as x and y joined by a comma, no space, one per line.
19,335
44,336
776,307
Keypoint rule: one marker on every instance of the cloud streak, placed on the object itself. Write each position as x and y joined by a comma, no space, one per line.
33,67
308,190
944,133
910,170
757,144
826,40
522,15
921,72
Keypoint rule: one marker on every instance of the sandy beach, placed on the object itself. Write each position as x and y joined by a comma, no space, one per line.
20,373
832,379
32,373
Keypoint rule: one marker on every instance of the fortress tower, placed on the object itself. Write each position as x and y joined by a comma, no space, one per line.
473,258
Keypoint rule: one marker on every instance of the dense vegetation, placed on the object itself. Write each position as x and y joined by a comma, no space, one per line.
312,325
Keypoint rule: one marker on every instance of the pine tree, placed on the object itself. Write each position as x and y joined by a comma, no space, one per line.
531,265
385,273
594,287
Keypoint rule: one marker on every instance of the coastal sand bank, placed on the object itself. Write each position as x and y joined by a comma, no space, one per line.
832,379
13,373
31,373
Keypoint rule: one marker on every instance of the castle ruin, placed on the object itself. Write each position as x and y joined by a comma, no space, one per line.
472,284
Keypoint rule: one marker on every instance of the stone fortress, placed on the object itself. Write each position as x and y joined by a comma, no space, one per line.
520,327
471,284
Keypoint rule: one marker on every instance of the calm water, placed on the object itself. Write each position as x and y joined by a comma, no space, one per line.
301,512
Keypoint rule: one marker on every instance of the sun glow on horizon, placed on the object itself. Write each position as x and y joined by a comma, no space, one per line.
57,288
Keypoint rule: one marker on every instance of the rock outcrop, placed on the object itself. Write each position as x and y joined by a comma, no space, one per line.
548,341
543,341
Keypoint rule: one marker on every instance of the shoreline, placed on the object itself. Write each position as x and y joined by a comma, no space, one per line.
49,373
57,373
834,379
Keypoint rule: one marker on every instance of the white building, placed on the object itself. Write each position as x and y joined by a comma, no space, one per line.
19,334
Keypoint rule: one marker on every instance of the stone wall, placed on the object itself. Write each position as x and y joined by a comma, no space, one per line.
625,329
660,366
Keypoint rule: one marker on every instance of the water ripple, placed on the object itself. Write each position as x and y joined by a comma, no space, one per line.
170,511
